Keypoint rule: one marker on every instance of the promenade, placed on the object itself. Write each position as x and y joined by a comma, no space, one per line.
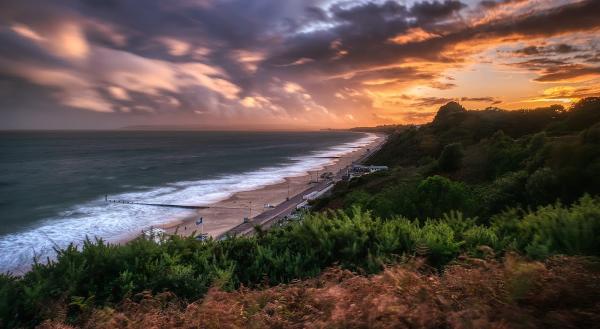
267,218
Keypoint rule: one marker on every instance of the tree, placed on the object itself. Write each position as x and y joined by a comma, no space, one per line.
448,111
357,198
451,157
437,195
584,113
542,186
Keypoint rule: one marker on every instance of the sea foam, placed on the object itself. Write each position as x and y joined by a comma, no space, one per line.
113,222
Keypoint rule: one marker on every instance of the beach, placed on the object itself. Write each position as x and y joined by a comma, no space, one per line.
222,216
233,173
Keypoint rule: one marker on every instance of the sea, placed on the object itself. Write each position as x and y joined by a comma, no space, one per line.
53,183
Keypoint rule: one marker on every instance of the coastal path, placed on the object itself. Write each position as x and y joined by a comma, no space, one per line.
267,218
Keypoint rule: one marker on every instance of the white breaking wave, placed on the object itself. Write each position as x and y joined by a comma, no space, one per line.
113,222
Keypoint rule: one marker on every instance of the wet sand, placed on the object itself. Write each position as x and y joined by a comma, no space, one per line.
226,214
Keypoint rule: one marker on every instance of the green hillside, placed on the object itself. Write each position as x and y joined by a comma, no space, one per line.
481,163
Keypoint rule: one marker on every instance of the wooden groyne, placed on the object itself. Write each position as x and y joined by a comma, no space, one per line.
155,204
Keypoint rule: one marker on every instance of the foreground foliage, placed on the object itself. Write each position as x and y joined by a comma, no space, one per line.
561,292
101,274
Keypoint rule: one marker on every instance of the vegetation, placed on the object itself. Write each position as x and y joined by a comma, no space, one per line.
558,293
101,274
471,184
451,157
494,159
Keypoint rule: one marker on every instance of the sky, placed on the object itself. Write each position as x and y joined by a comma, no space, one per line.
273,64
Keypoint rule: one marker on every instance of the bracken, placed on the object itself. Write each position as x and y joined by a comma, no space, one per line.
562,292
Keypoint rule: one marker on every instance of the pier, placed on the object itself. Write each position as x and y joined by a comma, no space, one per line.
155,204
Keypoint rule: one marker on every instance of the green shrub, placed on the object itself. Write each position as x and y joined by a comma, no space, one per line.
504,192
103,274
504,155
451,157
437,195
556,229
480,236
357,198
542,187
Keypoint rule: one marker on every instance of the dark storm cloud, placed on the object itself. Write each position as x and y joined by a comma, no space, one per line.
316,14
360,29
564,48
369,46
431,101
490,4
568,18
431,11
368,12
218,25
569,72
555,70
248,50
561,48
224,23
540,63
530,50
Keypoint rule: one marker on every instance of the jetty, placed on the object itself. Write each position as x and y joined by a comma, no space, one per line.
155,204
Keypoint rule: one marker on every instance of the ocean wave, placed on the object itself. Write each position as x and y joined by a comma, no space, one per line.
113,222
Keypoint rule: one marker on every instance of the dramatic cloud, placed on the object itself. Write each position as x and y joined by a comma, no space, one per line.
557,49
435,10
479,99
297,64
569,72
431,101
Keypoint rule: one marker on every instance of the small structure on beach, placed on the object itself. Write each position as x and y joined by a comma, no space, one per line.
154,233
203,237
327,175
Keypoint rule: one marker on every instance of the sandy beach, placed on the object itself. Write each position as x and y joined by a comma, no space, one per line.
226,214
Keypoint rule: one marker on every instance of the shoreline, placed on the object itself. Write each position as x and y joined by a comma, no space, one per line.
222,216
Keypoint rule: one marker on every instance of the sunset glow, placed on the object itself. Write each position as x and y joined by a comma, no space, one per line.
288,64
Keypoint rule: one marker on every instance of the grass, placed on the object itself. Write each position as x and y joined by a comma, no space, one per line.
100,274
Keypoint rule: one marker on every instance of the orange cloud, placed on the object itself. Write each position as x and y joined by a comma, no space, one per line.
70,42
27,32
413,35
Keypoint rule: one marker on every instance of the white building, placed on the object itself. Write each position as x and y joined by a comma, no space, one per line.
359,170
